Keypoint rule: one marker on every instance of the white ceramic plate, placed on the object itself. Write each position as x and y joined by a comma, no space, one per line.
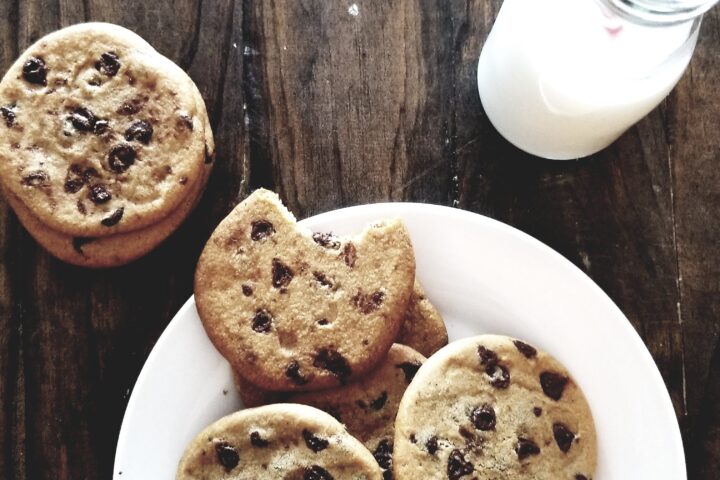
485,277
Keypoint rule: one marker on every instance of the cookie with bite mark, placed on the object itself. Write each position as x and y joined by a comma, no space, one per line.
293,311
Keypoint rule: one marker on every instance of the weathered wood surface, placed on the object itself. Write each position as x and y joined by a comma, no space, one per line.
333,109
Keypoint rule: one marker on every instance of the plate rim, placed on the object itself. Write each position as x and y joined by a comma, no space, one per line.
617,315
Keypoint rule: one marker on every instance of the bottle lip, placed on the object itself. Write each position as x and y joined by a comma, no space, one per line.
660,12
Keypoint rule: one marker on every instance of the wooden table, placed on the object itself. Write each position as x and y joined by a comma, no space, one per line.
334,109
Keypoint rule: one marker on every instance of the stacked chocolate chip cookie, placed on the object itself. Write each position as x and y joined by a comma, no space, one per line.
105,145
296,311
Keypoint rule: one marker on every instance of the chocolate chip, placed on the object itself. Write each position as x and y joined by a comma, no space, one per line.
368,303
379,402
76,178
553,384
409,369
109,64
327,240
262,321
132,106
431,445
35,71
487,356
100,126
282,275
563,436
121,157
88,174
383,454
537,411
349,254
8,114
332,361
140,130
580,477
114,218
79,242
186,121
227,455
323,321
99,194
458,466
499,376
316,472
257,441
36,178
412,438
73,185
313,442
323,279
483,418
247,290
525,448
377,297
292,371
528,350
83,119
261,229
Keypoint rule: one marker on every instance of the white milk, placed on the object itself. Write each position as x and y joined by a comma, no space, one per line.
563,79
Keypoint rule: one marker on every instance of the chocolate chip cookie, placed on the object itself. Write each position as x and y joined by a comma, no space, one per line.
284,441
423,328
99,132
293,310
492,408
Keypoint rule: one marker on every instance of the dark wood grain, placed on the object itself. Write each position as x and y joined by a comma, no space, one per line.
334,109
694,123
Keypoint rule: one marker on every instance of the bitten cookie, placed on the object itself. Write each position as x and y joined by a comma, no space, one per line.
368,406
295,311
291,442
99,131
423,328
494,408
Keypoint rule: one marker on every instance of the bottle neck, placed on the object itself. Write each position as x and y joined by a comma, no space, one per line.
659,12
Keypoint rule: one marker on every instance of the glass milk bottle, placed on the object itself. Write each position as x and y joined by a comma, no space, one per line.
563,79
